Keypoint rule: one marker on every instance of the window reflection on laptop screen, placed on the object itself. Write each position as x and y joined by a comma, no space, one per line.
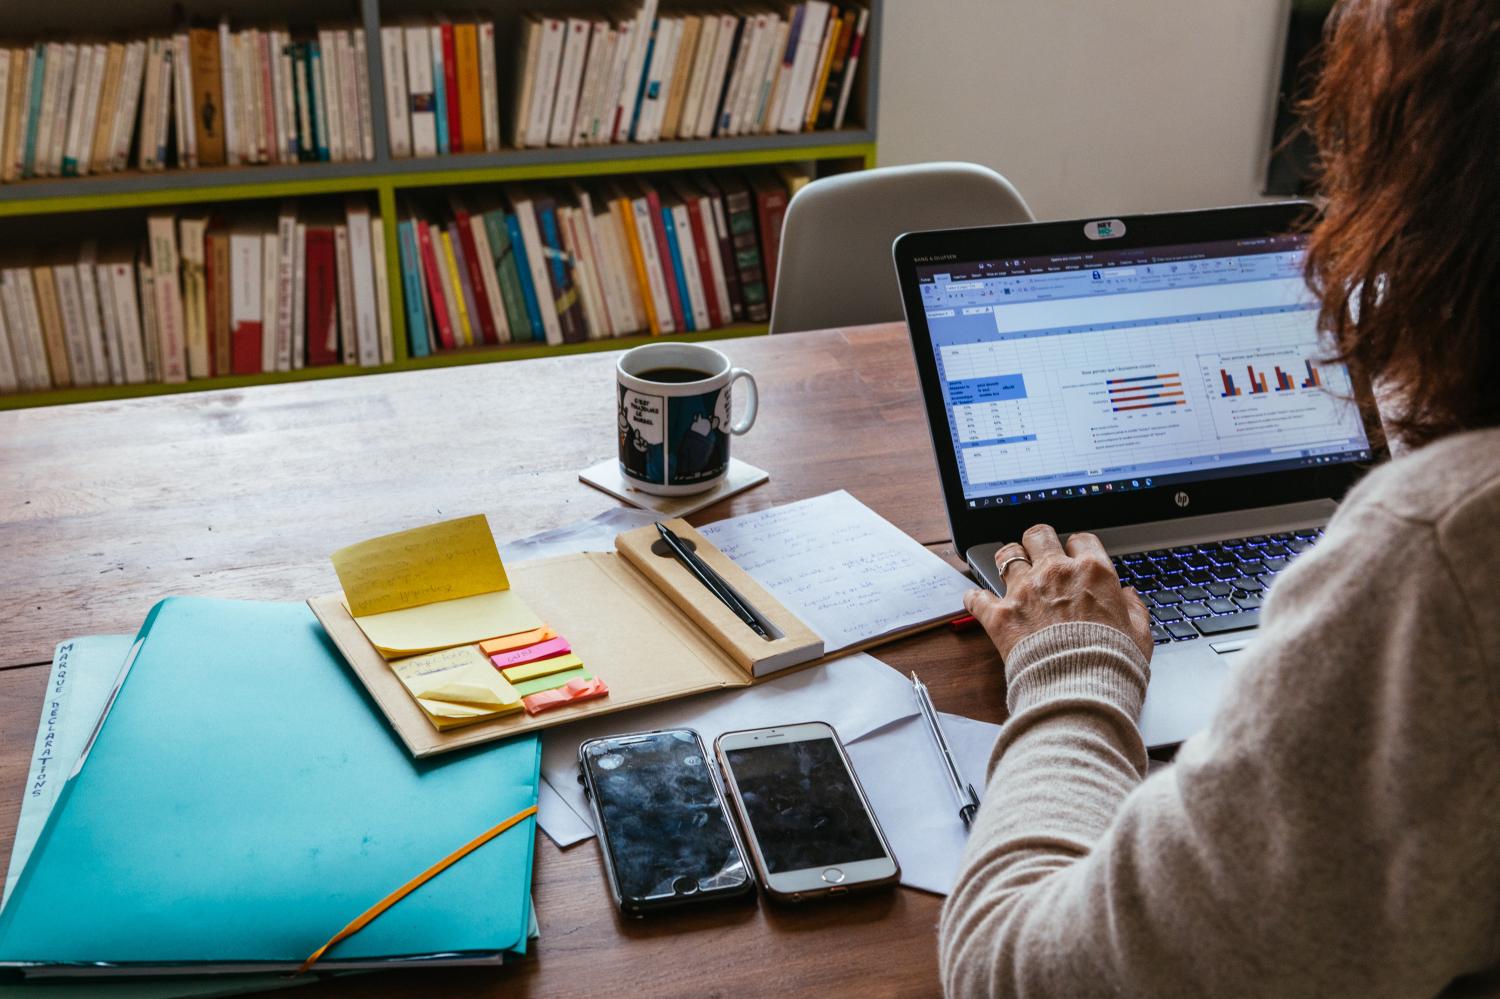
1093,373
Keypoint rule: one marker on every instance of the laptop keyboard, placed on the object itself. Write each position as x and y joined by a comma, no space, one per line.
1210,589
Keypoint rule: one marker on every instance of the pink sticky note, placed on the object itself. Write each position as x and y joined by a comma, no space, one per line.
572,693
531,653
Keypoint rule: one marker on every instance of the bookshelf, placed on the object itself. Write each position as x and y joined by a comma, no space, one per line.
385,177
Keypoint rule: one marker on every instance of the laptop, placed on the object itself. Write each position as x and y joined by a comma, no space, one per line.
1156,380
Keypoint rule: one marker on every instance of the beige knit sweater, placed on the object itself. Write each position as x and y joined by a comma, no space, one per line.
1336,830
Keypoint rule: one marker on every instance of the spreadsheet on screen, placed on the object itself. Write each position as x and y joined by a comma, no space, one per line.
1065,374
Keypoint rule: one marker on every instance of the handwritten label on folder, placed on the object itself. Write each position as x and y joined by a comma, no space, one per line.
845,571
431,588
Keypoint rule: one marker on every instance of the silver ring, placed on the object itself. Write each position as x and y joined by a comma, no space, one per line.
1006,564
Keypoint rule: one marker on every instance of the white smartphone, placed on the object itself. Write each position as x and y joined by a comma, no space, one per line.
810,828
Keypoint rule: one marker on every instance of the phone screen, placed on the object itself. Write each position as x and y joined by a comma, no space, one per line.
663,816
802,805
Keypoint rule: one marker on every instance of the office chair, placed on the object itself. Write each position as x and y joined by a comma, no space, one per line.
835,267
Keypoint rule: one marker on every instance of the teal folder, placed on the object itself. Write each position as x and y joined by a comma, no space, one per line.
243,800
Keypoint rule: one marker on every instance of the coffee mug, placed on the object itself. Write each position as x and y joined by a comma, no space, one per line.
674,416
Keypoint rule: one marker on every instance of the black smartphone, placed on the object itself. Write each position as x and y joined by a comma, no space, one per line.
811,829
659,812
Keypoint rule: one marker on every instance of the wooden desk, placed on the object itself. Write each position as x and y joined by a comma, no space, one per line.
106,507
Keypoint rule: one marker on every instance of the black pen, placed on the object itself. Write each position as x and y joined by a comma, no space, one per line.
710,579
969,800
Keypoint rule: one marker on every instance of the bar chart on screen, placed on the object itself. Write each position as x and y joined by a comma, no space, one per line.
1273,391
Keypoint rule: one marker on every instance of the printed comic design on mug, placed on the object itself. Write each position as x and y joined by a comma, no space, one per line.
698,428
640,420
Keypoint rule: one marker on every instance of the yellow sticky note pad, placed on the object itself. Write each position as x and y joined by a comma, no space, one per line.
431,587
542,667
456,686
414,630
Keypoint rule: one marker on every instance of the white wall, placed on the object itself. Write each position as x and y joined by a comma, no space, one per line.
1089,107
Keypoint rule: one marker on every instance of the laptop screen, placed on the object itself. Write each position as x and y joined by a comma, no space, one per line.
1102,372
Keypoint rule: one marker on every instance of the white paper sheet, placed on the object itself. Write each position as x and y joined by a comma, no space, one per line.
875,713
903,776
856,695
83,673
845,571
597,534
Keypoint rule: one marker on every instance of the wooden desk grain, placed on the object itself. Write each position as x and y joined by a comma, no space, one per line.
106,507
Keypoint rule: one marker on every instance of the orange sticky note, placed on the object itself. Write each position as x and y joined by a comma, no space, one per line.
571,693
520,639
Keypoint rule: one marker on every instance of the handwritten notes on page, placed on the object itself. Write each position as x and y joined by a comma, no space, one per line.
457,686
847,572
456,558
431,588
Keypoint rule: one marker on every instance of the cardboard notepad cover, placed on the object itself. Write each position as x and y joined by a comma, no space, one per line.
625,631
651,635
243,800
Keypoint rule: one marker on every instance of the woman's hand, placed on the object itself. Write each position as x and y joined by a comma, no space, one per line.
1048,584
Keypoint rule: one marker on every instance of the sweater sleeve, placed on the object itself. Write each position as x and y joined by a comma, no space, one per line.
1332,833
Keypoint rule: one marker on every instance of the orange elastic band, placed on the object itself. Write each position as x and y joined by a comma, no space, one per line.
370,914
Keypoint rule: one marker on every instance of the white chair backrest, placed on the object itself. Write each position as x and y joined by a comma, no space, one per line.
835,267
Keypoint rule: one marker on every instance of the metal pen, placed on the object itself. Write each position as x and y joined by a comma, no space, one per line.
706,575
968,799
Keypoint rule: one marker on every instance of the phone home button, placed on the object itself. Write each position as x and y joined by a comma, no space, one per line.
833,875
685,885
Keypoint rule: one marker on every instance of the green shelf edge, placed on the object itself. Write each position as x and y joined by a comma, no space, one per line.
484,355
387,186
378,179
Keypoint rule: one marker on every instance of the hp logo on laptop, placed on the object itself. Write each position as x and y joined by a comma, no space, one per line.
1182,499
1104,229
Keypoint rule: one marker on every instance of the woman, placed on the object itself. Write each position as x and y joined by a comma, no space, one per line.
1336,830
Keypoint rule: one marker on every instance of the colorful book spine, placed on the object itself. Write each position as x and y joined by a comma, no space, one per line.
664,255
440,92
454,99
318,100
440,318
463,327
511,296
740,208
686,320
560,270
411,287
467,249
523,275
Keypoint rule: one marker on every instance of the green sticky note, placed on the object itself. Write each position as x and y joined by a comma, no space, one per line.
548,682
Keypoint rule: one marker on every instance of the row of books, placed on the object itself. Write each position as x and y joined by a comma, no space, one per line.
210,96
441,87
568,263
685,75
201,297
205,96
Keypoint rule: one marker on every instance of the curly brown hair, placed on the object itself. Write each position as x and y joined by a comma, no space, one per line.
1406,258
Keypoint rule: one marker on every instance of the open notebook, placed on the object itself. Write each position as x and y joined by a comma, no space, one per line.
828,575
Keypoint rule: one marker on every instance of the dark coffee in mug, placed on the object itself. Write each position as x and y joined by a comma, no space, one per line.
674,376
